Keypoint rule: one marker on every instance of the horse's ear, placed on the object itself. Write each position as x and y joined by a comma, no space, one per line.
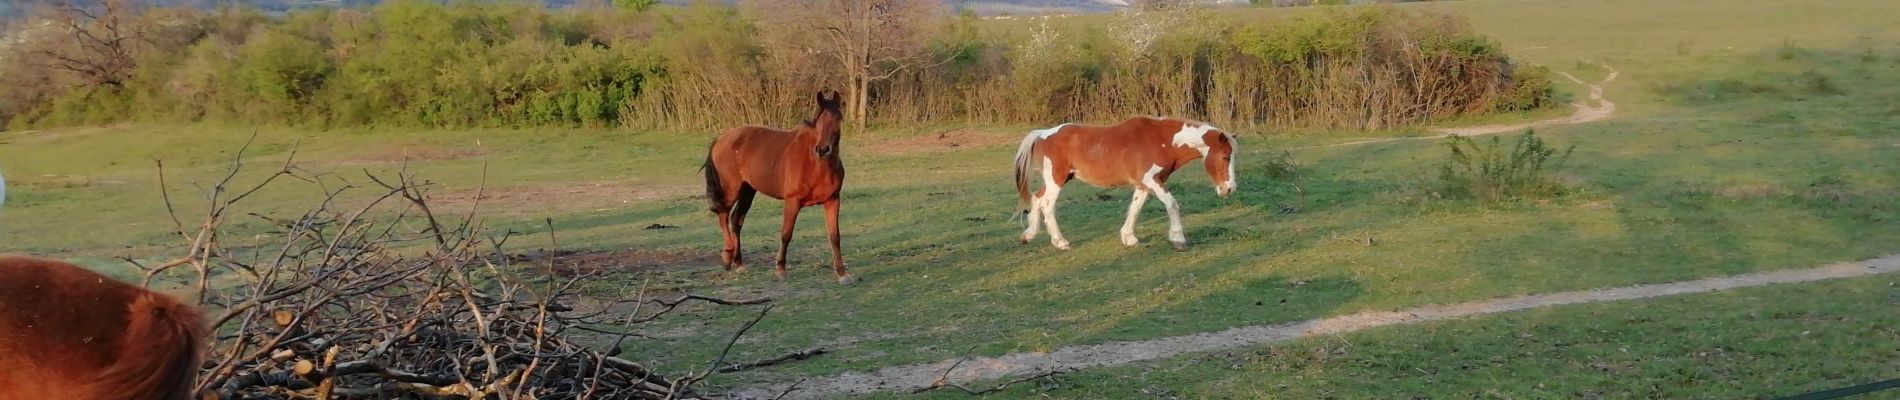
835,97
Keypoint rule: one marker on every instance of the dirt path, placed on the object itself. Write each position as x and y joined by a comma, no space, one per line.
911,377
1586,112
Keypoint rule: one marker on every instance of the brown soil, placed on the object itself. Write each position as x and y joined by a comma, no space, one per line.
569,196
1586,112
411,152
60,181
960,139
570,263
43,136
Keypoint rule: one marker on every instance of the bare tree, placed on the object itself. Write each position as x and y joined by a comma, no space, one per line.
871,40
96,41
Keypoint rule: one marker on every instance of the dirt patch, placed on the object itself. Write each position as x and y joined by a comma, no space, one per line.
45,136
569,196
61,181
411,152
571,263
1750,191
911,377
960,139
1586,112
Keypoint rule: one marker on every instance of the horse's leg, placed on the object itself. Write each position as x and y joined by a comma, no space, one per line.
739,209
727,253
1134,210
837,250
1034,216
1052,189
785,233
1176,235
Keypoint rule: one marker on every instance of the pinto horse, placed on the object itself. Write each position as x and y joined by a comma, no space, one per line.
70,333
800,166
1140,152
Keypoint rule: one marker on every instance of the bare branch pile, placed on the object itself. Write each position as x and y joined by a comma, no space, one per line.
386,300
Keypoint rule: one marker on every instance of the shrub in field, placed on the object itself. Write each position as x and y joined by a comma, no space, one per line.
1281,167
1050,70
1493,173
284,74
1375,67
1530,90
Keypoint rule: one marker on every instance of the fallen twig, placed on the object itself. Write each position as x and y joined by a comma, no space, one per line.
944,381
808,353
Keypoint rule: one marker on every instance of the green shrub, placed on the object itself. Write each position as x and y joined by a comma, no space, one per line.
1491,173
1333,33
1282,168
1378,67
284,73
1531,88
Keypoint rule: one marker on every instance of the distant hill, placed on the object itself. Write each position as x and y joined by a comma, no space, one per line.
983,7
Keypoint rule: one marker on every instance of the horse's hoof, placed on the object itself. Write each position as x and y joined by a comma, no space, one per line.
780,273
847,279
1062,245
1180,246
1130,241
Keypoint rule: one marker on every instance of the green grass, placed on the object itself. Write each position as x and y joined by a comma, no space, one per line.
1763,342
64,183
1720,161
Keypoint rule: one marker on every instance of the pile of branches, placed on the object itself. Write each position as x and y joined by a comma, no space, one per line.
387,300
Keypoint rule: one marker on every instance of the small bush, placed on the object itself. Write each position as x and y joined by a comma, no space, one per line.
1281,167
1530,89
1493,174
1817,83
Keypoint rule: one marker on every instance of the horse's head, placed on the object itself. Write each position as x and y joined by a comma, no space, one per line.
827,123
1220,160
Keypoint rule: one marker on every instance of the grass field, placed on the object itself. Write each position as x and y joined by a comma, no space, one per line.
1751,343
1749,136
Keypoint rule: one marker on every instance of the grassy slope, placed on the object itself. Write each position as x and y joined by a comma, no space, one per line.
1673,189
1749,343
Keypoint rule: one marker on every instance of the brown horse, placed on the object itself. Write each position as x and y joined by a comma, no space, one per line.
800,166
1140,152
69,333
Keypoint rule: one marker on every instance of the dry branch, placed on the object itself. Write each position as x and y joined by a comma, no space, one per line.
944,381
808,353
385,300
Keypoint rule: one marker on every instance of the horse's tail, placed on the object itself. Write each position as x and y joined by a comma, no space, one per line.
159,353
1024,156
715,191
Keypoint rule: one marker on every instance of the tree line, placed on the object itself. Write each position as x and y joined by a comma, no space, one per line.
635,64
